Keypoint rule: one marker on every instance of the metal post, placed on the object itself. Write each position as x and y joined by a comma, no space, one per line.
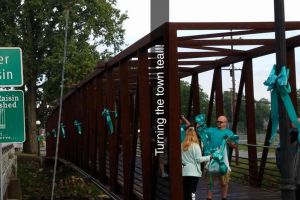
233,84
286,155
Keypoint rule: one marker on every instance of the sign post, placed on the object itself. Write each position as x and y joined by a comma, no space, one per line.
12,120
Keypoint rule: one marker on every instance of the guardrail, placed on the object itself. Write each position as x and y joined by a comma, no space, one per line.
271,176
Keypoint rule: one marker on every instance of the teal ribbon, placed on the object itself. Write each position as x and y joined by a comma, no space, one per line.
63,133
201,129
279,85
40,138
77,124
53,132
106,115
218,157
233,138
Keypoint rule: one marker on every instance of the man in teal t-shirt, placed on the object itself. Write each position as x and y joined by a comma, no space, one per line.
215,137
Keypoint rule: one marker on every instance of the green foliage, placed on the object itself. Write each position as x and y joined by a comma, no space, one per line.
185,95
36,181
227,98
262,113
38,27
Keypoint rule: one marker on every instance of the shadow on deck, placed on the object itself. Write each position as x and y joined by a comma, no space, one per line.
237,191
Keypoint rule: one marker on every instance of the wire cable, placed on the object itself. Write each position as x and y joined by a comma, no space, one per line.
60,102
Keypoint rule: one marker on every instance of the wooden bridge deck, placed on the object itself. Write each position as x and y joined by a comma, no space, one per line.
237,191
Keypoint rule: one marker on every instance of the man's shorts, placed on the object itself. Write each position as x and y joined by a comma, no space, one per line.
223,179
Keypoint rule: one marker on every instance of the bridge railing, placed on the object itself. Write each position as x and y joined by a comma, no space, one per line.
241,172
9,166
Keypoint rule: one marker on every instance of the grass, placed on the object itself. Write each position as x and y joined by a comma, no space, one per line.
36,181
243,147
271,176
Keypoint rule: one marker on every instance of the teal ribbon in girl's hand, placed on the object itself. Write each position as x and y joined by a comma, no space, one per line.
63,133
278,85
105,113
77,124
202,128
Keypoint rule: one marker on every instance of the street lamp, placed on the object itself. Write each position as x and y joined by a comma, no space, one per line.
38,123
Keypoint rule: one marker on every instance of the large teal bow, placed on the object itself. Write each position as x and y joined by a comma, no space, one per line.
278,85
77,124
54,133
63,133
106,114
202,128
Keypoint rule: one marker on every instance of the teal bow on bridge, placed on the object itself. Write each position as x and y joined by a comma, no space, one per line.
77,125
279,85
54,133
63,133
106,114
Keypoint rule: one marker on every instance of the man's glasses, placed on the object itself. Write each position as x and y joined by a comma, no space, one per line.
220,122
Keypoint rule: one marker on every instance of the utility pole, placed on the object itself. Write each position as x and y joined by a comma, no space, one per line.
286,154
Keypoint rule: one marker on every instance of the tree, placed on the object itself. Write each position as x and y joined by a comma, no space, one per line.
227,98
262,113
185,95
37,26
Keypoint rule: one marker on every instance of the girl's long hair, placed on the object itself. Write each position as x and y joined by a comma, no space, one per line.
190,137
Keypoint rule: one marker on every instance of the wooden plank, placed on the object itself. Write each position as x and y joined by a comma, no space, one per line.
101,133
223,42
211,101
144,113
172,112
196,94
113,138
84,127
219,92
291,64
76,136
266,26
93,120
250,116
87,133
125,131
222,34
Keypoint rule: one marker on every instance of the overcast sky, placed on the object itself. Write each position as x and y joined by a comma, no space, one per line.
138,25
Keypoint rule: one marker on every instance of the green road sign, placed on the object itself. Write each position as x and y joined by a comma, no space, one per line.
11,67
12,121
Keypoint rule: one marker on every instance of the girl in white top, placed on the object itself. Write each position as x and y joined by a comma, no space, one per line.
191,158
